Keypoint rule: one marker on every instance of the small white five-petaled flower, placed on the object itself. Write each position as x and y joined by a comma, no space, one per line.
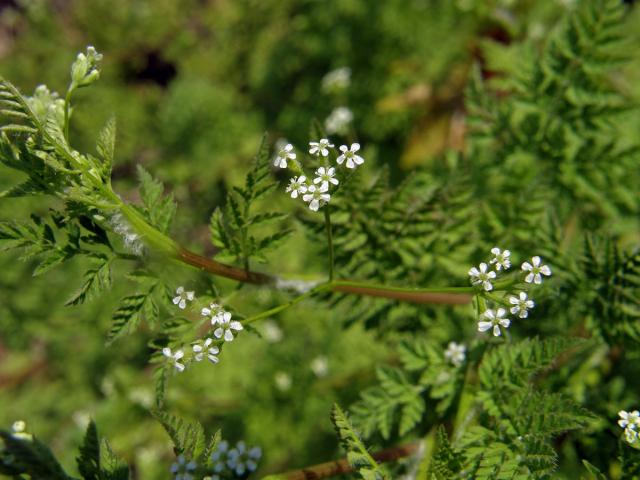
216,312
175,358
326,176
493,319
297,186
349,154
226,328
285,153
182,297
455,353
182,469
630,421
480,276
316,195
521,305
212,352
536,270
500,258
320,148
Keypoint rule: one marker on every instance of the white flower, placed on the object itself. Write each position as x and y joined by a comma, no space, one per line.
175,358
326,176
337,79
481,276
521,305
297,186
271,332
493,319
216,312
316,195
320,148
18,430
226,328
455,353
320,366
629,419
182,297
500,258
283,381
338,120
212,352
349,154
535,268
284,154
182,470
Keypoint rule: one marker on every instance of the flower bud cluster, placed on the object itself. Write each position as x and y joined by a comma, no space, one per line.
494,308
84,71
630,421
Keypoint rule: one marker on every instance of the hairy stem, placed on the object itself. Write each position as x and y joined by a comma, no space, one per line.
339,467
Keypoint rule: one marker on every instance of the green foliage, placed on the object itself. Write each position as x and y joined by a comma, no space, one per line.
157,210
357,454
187,437
232,228
446,462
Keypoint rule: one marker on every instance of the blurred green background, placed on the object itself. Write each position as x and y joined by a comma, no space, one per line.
194,84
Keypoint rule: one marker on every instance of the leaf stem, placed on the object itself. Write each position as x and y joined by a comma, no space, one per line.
67,108
327,221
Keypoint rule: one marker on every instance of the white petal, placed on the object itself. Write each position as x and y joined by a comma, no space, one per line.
178,355
484,326
213,358
197,348
496,331
317,180
529,278
513,301
358,159
218,332
514,310
355,147
505,322
182,304
536,261
537,279
545,270
208,342
179,366
176,300
288,147
495,251
527,266
228,336
235,325
487,286
294,194
350,163
166,351
340,159
314,205
205,312
214,350
491,274
226,316
179,290
501,312
191,296
474,272
343,148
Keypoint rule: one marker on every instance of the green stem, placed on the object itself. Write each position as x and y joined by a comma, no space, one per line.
67,107
327,221
290,303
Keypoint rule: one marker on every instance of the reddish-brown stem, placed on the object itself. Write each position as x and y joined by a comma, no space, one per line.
338,467
344,286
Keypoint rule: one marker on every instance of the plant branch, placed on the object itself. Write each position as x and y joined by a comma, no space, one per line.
327,221
339,467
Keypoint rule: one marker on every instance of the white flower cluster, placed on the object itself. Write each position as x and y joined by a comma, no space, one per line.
183,470
495,319
208,347
630,421
237,461
456,353
316,192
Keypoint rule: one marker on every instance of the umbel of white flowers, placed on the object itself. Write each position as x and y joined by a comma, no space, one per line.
317,192
495,319
224,330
